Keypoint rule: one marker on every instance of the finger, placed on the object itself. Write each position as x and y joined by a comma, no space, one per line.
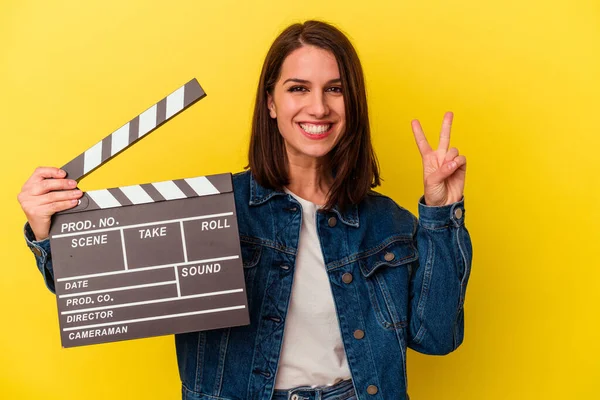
420,138
461,163
48,185
42,173
57,206
38,208
54,197
451,154
445,133
458,162
447,169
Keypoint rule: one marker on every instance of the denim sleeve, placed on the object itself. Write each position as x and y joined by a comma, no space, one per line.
439,283
43,256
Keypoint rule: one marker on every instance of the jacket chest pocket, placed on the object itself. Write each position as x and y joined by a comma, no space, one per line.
387,272
251,256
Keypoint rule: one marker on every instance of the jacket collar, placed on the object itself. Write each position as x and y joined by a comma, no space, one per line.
260,195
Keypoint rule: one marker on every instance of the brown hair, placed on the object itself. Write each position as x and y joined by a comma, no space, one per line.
352,160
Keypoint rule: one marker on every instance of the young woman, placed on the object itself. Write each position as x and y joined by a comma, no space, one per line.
340,279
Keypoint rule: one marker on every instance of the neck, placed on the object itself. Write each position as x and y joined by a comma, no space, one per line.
309,180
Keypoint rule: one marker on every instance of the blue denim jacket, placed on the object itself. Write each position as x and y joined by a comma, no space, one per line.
397,281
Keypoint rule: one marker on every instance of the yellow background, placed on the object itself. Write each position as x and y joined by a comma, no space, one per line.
522,78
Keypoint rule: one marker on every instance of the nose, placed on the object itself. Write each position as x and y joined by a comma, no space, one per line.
318,106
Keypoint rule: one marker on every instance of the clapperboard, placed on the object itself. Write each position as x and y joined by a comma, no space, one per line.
151,259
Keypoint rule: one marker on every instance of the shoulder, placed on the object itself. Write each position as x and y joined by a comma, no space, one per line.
241,184
380,201
242,191
241,177
379,209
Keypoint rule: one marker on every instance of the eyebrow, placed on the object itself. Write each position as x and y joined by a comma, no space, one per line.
337,80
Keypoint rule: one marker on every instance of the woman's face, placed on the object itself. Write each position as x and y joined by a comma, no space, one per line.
308,104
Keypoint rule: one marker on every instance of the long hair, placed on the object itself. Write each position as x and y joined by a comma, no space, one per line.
352,161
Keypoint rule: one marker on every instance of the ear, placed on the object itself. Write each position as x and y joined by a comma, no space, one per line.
271,106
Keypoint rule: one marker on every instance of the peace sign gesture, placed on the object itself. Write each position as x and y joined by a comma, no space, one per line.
443,169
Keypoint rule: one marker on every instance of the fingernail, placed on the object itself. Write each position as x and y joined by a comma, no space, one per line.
77,192
61,172
452,165
72,183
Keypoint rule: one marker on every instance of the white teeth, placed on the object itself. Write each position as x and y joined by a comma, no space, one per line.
315,129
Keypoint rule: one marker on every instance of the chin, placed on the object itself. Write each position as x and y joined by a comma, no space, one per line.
320,152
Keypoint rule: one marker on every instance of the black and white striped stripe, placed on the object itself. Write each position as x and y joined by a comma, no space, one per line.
154,192
134,130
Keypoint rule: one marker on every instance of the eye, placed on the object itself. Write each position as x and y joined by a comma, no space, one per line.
297,89
335,89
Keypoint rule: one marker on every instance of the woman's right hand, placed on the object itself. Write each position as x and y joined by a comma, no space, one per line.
45,193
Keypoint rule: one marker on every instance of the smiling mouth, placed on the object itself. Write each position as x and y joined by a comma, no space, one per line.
315,129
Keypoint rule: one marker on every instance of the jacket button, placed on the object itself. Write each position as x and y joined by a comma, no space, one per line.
389,256
359,334
332,221
372,389
458,213
37,252
347,277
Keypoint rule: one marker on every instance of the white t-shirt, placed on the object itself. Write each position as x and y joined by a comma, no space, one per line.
313,351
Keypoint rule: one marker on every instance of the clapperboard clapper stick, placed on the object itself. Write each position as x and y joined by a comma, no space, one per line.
150,259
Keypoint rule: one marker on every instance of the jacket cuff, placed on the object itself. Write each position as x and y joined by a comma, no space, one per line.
40,249
437,217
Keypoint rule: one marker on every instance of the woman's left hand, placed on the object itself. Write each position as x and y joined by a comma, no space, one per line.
443,169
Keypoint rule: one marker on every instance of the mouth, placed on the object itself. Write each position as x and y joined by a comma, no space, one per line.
316,131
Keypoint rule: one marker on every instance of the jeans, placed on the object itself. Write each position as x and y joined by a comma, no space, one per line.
343,390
